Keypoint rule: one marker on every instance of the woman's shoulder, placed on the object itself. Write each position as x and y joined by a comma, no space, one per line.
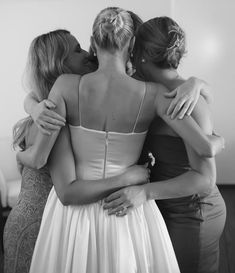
157,88
66,84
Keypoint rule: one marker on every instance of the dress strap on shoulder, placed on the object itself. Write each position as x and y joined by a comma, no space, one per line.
79,104
141,105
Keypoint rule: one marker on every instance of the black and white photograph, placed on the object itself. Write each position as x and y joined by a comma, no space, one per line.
117,136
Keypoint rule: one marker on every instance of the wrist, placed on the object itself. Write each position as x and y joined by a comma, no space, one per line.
147,191
121,180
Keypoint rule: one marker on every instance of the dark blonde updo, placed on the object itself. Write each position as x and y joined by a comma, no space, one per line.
161,41
112,28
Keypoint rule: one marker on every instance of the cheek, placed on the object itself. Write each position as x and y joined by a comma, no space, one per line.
76,64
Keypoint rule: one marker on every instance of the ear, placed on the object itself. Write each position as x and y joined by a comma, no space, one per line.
131,44
93,45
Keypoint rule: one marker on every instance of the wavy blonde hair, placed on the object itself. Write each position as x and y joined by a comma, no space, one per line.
46,62
112,28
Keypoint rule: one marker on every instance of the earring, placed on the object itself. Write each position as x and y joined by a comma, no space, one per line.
94,54
143,60
131,55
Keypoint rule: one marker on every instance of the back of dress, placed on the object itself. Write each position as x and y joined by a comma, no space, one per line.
101,154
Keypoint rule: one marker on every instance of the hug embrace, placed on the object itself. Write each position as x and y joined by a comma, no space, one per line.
92,199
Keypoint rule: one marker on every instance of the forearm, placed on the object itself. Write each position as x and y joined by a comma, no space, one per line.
30,159
36,156
80,192
200,179
27,158
216,144
189,183
30,103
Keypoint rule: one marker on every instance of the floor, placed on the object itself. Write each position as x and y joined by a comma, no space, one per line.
227,258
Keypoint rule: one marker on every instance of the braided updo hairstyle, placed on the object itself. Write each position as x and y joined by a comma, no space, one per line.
161,41
112,28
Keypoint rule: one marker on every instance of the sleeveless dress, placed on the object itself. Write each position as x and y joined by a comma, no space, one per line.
84,238
195,223
23,223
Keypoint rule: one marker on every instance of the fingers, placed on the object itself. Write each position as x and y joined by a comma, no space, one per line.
178,106
119,211
124,213
191,107
54,115
114,204
184,109
49,104
52,121
43,131
113,196
171,94
47,126
171,107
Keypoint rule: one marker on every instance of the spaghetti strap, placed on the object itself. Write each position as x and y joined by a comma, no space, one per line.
141,104
79,106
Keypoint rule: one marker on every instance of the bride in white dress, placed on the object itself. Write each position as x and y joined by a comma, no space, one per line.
108,115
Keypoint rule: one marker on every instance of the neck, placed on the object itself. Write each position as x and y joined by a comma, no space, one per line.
168,77
111,61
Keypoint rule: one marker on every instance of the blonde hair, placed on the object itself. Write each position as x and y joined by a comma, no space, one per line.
46,62
112,28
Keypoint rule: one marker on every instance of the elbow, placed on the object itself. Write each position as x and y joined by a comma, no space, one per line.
64,199
67,198
38,163
208,151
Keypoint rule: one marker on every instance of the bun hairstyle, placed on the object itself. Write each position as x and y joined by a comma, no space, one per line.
137,21
112,28
161,41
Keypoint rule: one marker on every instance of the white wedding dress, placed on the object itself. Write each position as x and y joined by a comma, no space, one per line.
84,238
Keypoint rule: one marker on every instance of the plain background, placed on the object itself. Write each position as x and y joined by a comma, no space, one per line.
209,26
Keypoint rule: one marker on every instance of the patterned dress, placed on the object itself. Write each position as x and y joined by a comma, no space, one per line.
23,223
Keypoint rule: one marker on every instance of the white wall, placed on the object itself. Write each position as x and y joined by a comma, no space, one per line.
208,24
209,27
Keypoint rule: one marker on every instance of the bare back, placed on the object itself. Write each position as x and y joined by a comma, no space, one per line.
110,102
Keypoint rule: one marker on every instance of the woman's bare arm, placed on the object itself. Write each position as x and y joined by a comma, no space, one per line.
42,114
186,95
36,155
188,129
202,176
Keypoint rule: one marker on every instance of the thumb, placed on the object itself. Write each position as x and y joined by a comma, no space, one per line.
171,94
49,104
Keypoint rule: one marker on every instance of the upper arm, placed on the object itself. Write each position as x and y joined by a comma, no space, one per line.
61,162
205,166
29,102
43,144
187,128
